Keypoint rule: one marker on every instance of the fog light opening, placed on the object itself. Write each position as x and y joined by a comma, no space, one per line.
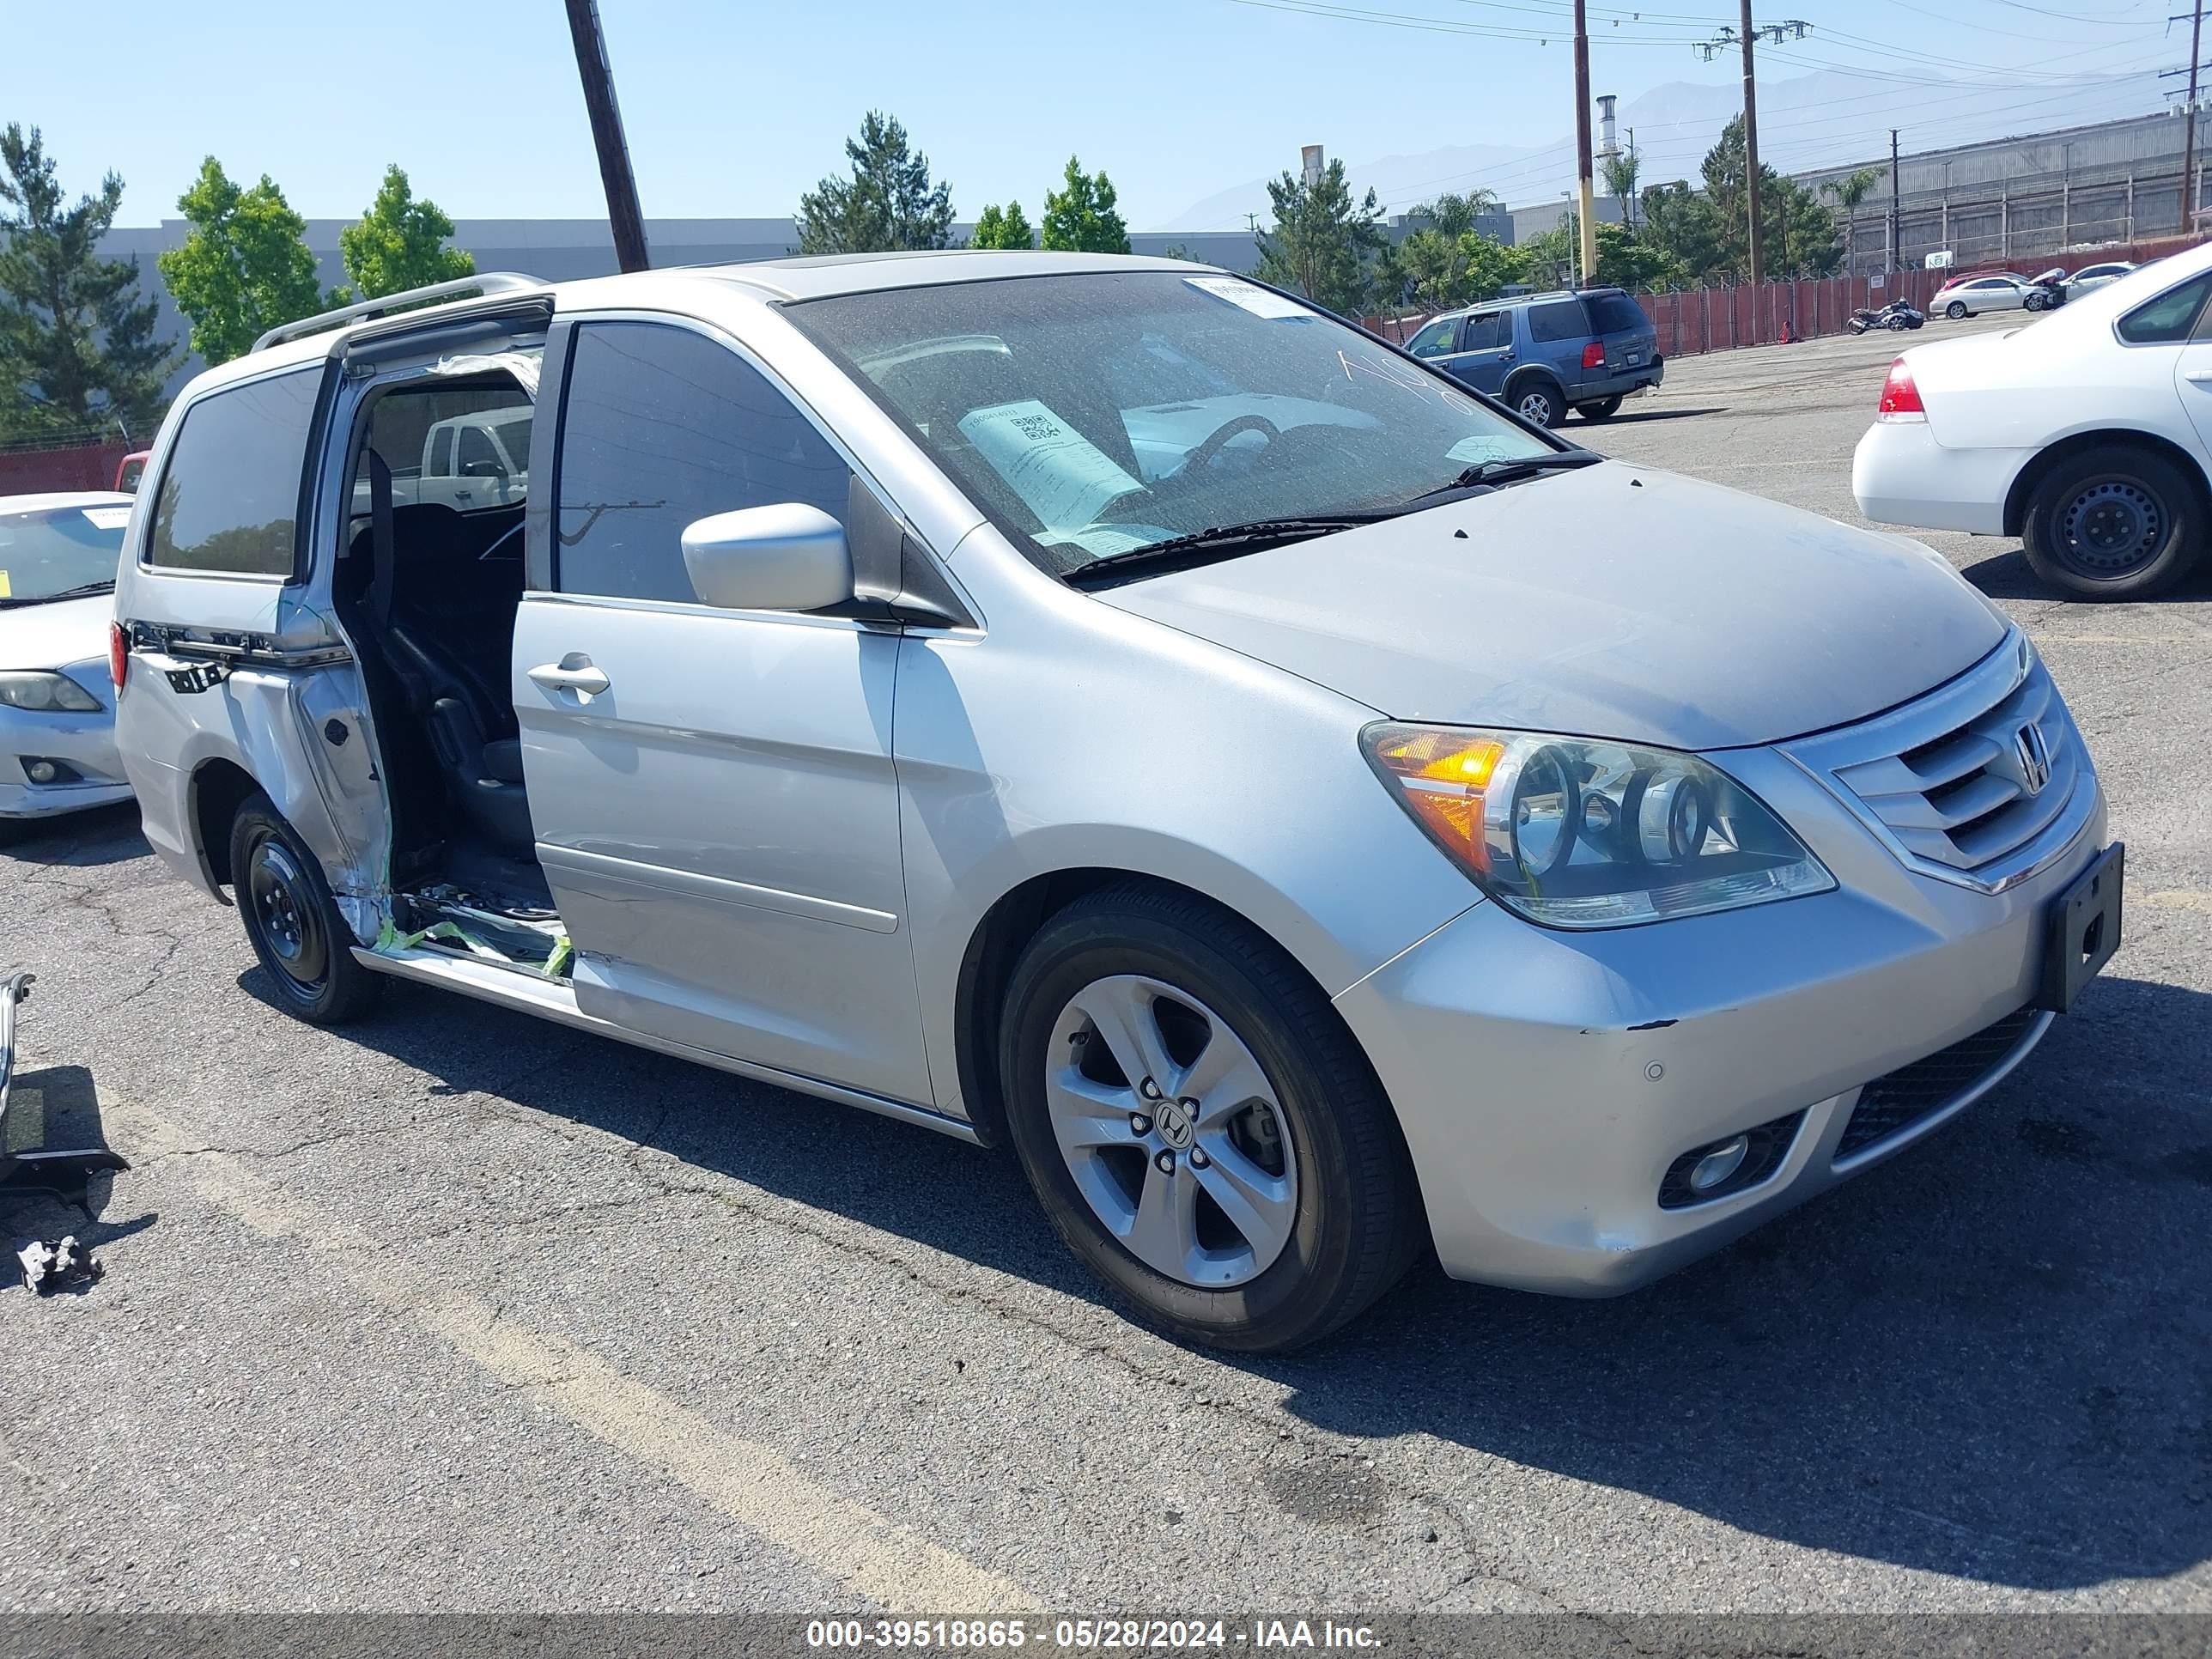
1722,1169
1714,1169
40,771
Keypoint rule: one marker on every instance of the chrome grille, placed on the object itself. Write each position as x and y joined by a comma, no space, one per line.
1965,778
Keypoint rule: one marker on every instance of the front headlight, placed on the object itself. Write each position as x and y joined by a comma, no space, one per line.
49,694
1574,833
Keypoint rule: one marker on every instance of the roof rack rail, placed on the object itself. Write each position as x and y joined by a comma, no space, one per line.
484,282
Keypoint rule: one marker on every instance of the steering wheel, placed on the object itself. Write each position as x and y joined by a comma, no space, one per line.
1219,438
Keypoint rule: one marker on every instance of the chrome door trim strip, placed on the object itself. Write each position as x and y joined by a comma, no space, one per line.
716,889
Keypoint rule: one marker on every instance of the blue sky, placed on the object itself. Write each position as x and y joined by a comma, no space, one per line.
733,109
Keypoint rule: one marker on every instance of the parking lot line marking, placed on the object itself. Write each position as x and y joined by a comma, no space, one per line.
2179,898
888,1564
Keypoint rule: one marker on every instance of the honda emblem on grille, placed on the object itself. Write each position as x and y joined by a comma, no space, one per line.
2034,756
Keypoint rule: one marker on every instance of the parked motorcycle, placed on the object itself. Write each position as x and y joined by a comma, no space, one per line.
2046,291
1897,315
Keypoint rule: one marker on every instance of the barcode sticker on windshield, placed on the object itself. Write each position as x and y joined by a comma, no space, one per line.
1260,302
108,518
1061,475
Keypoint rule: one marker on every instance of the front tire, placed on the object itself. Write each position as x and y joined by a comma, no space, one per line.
1956,311
304,944
2113,523
1200,1125
1603,410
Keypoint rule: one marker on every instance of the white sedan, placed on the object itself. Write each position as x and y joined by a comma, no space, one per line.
1968,296
57,560
2087,434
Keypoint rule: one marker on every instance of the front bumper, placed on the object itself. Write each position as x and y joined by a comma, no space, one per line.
83,743
1900,475
1548,1080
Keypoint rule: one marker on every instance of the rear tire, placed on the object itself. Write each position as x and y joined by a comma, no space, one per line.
2114,523
1956,311
1304,1142
304,945
1537,400
1603,410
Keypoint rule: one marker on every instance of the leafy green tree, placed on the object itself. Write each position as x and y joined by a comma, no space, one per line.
1848,192
1455,212
1686,227
1328,246
1620,170
400,243
1007,227
244,267
888,205
76,337
1443,271
1079,217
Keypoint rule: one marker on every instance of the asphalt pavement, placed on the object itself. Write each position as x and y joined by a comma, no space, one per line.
456,1310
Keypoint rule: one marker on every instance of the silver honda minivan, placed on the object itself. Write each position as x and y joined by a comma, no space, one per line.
1110,706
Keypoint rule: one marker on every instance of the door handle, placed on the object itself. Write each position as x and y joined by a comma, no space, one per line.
2198,376
573,672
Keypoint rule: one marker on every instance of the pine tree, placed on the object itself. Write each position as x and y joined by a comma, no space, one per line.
1324,245
887,205
1079,217
76,337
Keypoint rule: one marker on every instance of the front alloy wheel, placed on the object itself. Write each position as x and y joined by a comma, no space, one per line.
1199,1124
1172,1132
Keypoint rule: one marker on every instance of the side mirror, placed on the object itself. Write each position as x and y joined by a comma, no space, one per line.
786,557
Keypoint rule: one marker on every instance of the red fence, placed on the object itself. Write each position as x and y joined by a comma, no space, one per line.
1698,319
73,466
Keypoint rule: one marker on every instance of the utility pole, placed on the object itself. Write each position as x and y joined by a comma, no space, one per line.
1628,207
1746,37
624,217
2189,122
1586,202
1751,146
1896,233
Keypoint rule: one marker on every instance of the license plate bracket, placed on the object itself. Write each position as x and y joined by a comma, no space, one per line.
2083,929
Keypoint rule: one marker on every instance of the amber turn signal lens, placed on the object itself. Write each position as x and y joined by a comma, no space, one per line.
1444,774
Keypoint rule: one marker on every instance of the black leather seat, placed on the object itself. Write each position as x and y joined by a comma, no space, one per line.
447,622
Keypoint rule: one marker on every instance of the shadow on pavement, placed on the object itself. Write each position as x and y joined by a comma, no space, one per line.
106,835
1985,1359
1643,416
55,1107
2008,576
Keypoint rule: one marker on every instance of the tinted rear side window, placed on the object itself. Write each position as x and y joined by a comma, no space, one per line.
663,426
1561,320
2168,317
230,493
1487,333
1615,313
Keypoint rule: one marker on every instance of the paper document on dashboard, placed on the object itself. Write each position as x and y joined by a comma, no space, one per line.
1061,475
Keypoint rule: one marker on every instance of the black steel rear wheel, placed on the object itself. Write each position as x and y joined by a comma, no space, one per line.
293,924
2113,523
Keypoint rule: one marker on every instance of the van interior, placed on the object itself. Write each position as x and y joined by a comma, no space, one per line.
428,583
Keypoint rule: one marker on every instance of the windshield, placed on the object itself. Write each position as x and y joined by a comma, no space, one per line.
57,550
1095,415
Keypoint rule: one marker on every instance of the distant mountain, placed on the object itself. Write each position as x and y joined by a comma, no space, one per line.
1818,121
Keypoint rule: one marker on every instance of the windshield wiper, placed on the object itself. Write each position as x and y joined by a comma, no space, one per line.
1508,471
1225,541
82,590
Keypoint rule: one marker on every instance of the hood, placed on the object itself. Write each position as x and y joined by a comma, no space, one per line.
1611,602
54,635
